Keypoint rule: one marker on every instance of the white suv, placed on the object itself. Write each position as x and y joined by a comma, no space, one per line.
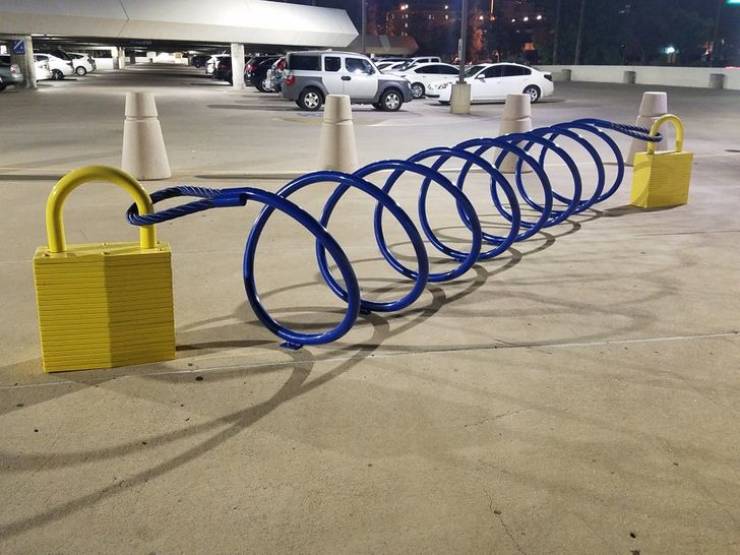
310,76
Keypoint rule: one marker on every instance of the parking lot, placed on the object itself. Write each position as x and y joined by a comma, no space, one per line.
579,393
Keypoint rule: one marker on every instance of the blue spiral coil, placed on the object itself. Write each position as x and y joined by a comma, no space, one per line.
506,197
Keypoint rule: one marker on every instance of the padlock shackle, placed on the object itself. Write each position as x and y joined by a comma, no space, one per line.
677,125
80,176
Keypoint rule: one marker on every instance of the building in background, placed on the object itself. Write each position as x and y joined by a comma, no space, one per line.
497,29
434,25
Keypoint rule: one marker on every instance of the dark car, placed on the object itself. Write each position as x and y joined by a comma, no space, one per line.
256,71
223,69
199,60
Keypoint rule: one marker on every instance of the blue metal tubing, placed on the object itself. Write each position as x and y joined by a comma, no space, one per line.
467,259
596,129
345,181
556,216
442,155
508,145
214,198
578,205
293,338
508,206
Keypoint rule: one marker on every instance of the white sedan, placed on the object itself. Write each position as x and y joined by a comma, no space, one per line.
492,82
83,63
43,71
424,78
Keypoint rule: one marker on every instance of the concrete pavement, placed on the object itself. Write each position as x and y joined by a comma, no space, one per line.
578,394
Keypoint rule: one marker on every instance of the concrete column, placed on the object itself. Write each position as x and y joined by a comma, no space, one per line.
237,65
121,57
25,62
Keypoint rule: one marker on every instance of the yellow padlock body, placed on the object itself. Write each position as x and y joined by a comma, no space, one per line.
661,179
104,305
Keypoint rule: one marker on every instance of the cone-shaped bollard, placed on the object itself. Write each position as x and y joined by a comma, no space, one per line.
337,148
517,118
144,155
653,105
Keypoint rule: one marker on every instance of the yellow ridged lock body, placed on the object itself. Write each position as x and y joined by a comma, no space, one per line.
662,179
105,304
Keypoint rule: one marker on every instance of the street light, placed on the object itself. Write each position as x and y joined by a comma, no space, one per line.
463,39
364,24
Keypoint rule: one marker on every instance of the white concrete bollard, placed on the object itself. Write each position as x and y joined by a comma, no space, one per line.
460,98
144,155
516,118
653,105
337,148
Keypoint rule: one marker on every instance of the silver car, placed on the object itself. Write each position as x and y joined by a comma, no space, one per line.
311,76
10,74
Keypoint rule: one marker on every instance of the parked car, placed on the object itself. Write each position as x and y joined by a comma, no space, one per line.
392,66
411,62
83,63
490,82
384,64
10,74
274,78
212,63
258,74
199,60
42,68
314,74
223,69
43,72
424,77
60,63
257,68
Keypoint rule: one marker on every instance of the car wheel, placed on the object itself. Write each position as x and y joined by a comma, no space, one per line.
311,99
417,90
81,71
262,86
2,85
533,93
57,75
391,100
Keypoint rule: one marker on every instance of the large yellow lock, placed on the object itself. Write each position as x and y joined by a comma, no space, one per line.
662,178
105,304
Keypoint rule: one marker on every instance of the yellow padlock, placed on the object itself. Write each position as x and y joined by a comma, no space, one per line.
105,304
662,178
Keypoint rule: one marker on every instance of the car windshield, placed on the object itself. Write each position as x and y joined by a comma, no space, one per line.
61,54
472,70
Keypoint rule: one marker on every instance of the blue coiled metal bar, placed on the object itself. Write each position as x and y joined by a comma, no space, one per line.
428,165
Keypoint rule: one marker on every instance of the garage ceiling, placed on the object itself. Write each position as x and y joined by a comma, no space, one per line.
220,21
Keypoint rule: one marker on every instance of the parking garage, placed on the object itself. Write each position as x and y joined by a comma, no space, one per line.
578,392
